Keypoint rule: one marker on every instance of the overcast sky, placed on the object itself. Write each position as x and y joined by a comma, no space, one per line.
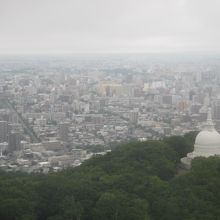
108,26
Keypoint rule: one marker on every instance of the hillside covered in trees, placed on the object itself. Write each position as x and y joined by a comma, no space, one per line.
136,181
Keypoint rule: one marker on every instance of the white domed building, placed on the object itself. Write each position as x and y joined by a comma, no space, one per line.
207,143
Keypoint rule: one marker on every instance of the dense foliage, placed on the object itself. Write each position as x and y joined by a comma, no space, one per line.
136,181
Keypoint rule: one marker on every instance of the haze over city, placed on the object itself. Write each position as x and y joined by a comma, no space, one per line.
102,26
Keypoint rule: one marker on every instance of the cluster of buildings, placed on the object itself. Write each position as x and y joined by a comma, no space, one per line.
58,113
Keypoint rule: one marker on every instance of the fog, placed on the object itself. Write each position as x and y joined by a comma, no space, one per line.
103,26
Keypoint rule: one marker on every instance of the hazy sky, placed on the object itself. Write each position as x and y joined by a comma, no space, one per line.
103,26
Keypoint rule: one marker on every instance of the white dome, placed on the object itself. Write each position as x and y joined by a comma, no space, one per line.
208,138
207,142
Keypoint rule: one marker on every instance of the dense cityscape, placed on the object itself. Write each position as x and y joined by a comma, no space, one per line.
57,112
109,110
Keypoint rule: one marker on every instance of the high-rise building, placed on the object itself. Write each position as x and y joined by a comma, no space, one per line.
63,131
3,131
133,117
167,99
216,109
14,141
3,147
195,108
216,112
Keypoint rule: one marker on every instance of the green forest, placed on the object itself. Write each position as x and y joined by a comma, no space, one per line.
136,181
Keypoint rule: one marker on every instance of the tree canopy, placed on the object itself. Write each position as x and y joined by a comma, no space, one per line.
136,181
